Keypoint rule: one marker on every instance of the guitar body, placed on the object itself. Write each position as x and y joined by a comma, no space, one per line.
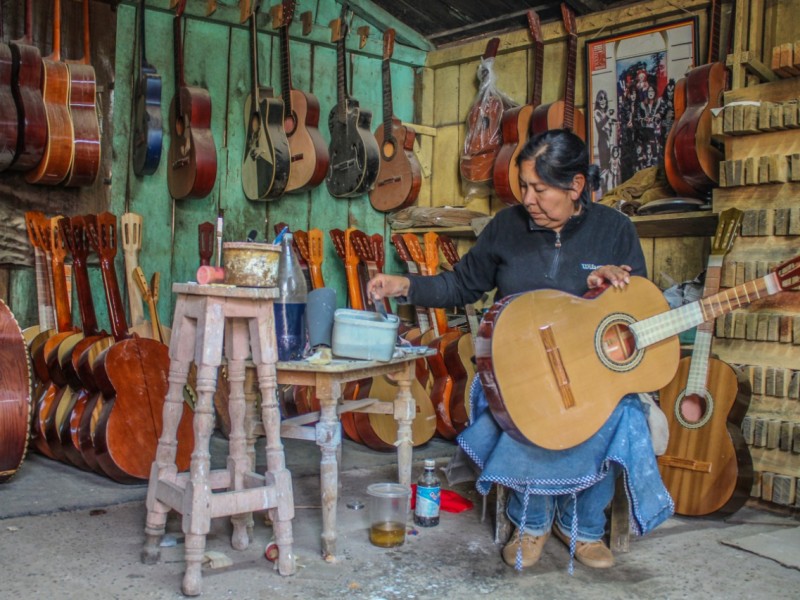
441,382
15,397
353,151
60,146
192,169
9,122
671,169
399,174
26,88
147,134
551,116
459,367
85,125
483,141
265,170
707,467
696,157
515,126
309,155
526,392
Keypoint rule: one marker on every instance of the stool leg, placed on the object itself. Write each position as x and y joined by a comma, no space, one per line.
329,440
404,412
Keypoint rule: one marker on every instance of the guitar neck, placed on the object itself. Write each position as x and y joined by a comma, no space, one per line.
387,99
713,31
536,95
43,296
341,70
178,51
569,88
286,71
143,66
87,45
56,54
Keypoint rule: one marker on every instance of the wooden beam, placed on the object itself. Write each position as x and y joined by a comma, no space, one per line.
382,20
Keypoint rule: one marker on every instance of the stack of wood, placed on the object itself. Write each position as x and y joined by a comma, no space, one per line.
786,59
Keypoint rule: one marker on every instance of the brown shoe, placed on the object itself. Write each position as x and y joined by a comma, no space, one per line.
592,554
532,546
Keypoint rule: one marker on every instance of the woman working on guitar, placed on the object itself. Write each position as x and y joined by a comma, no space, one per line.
556,238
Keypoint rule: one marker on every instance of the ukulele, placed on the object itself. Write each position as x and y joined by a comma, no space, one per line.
15,409
707,467
83,110
26,87
9,121
59,148
147,134
562,114
192,167
516,124
353,150
584,354
400,175
696,157
483,139
309,154
266,163
315,257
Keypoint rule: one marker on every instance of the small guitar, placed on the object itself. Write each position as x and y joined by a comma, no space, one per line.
562,114
266,163
60,146
585,355
192,167
83,110
9,122
147,134
516,125
707,467
353,150
483,138
26,87
309,154
400,175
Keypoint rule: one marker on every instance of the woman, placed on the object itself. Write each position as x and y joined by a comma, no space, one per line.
556,238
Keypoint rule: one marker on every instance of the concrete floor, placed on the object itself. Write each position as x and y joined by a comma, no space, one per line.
68,534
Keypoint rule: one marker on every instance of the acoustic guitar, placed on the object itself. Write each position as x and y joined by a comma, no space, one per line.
707,467
192,167
562,114
83,110
9,122
266,163
26,87
583,355
671,170
59,148
483,139
516,124
309,154
353,150
400,175
147,134
15,408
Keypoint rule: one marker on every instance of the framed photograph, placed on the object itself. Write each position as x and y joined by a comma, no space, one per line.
630,96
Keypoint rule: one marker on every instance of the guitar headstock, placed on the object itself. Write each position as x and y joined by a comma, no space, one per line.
58,245
362,246
300,239
415,249
431,252
205,241
378,251
75,235
141,283
288,12
34,225
401,248
316,251
350,256
130,225
788,274
535,27
491,48
449,250
102,231
568,17
727,228
388,43
337,237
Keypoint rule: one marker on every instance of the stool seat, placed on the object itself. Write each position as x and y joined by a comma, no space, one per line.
209,320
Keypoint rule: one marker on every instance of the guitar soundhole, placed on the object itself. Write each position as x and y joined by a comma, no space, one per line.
693,410
615,343
290,123
388,149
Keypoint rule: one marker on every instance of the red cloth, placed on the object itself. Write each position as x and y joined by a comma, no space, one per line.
451,501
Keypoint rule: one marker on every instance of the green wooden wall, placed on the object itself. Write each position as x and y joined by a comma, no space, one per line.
217,50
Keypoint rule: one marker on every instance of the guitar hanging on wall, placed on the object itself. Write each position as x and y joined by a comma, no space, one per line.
192,168
399,175
354,153
9,122
147,135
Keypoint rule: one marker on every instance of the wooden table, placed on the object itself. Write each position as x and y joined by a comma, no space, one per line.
329,380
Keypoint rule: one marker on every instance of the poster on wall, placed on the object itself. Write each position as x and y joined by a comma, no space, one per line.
631,89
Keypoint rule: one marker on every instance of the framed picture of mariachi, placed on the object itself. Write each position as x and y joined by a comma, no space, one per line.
630,96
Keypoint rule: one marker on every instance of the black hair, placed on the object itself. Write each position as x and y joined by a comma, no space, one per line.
560,155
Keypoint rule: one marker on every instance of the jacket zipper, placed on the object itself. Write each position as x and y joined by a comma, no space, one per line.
556,258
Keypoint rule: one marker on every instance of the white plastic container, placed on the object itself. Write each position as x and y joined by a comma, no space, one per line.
364,335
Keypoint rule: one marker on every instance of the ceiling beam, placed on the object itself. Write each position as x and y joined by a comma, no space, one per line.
382,20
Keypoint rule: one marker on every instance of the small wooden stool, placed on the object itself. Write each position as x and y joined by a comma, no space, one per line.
205,317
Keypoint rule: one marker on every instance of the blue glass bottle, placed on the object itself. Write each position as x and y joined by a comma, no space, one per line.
290,307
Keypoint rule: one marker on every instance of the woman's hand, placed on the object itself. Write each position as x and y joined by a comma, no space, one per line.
387,286
617,276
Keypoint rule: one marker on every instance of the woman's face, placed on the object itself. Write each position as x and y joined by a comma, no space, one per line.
602,100
548,206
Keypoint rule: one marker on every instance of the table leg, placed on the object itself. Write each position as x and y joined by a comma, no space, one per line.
329,440
404,412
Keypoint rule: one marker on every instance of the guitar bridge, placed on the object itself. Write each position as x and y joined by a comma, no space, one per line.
345,165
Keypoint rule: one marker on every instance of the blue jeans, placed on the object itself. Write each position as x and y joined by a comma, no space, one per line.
543,510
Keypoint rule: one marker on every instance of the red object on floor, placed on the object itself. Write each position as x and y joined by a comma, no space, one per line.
451,501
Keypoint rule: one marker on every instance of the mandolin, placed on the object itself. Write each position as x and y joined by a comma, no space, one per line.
309,154
192,166
516,124
83,111
583,355
562,114
147,134
26,87
266,163
15,395
400,175
353,150
483,139
9,121
59,148
707,467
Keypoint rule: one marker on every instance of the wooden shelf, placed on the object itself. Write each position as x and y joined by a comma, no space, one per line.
464,231
692,224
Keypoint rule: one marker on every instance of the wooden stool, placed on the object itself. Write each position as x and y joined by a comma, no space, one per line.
205,316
